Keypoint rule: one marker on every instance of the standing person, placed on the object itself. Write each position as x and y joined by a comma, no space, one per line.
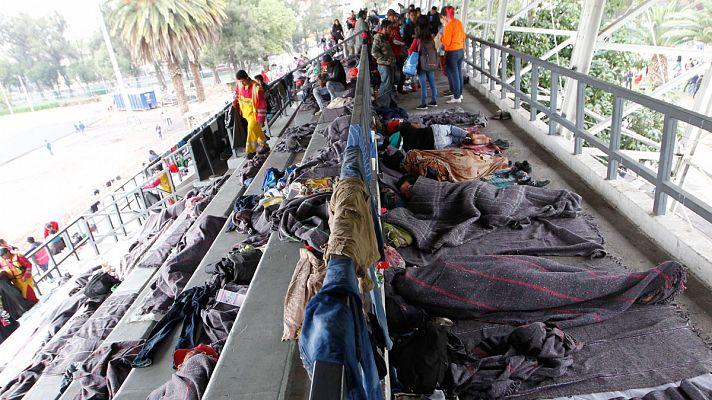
396,41
337,32
158,132
81,126
409,28
332,83
48,145
41,257
453,40
250,102
434,20
19,270
260,79
386,60
350,25
427,62
153,157
361,26
161,180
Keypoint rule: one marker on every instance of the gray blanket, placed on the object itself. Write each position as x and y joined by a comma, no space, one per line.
177,270
92,333
327,160
513,220
102,374
646,346
304,218
520,289
295,139
189,382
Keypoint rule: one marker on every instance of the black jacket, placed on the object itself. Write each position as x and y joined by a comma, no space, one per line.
336,73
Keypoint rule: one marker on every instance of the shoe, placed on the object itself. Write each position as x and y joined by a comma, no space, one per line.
541,183
433,104
318,113
422,107
447,93
454,100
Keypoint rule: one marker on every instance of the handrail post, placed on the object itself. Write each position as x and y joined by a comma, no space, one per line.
482,64
492,68
580,104
90,235
503,75
553,102
667,152
534,92
517,82
614,143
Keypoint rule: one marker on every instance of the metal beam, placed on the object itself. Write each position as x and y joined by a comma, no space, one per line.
657,93
589,25
538,31
465,15
641,48
489,17
522,12
603,35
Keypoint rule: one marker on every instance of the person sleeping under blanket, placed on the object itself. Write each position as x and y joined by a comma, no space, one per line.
412,136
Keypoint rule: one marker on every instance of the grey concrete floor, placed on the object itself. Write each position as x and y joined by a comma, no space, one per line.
622,237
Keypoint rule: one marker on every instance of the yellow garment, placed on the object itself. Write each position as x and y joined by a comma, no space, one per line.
255,136
15,271
351,225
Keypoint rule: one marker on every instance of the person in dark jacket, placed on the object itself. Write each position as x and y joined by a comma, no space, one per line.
337,32
332,83
385,58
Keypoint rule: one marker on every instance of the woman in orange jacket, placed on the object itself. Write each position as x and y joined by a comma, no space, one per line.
453,40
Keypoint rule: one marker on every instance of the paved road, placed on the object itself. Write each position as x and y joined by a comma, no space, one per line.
25,132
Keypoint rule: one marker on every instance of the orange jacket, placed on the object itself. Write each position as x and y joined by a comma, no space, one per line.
453,36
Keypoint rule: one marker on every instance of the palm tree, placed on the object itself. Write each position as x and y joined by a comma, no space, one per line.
694,24
655,28
169,30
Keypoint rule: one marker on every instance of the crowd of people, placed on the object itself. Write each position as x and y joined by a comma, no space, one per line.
437,36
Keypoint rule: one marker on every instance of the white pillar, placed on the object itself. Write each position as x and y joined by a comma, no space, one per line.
501,22
582,55
114,63
7,101
27,96
464,17
485,34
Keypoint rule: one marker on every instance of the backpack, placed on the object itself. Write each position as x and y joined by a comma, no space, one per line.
428,55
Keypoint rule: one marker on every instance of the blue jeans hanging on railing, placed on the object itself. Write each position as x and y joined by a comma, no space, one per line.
336,313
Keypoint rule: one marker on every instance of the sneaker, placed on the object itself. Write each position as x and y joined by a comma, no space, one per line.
318,113
433,104
454,100
447,93
422,107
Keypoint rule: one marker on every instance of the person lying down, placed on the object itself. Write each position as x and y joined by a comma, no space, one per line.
414,136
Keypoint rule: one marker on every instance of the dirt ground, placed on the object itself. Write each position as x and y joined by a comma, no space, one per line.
38,187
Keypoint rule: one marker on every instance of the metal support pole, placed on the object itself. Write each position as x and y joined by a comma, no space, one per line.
517,81
503,75
492,68
207,155
588,27
614,143
7,101
580,105
667,153
534,92
465,11
90,235
553,102
501,21
114,63
27,96
487,27
482,63
121,220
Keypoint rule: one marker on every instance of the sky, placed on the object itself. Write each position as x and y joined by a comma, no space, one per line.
80,14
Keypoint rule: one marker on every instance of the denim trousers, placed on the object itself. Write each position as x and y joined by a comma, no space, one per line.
430,77
386,72
186,308
453,66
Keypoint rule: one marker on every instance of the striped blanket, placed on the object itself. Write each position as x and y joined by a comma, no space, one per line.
522,289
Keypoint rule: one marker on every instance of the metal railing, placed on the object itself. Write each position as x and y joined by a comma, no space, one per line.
127,203
491,61
328,379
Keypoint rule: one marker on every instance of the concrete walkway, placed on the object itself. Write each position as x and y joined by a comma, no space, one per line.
623,239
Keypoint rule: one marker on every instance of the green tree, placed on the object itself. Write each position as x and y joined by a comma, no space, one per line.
314,18
693,24
168,30
654,28
254,29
